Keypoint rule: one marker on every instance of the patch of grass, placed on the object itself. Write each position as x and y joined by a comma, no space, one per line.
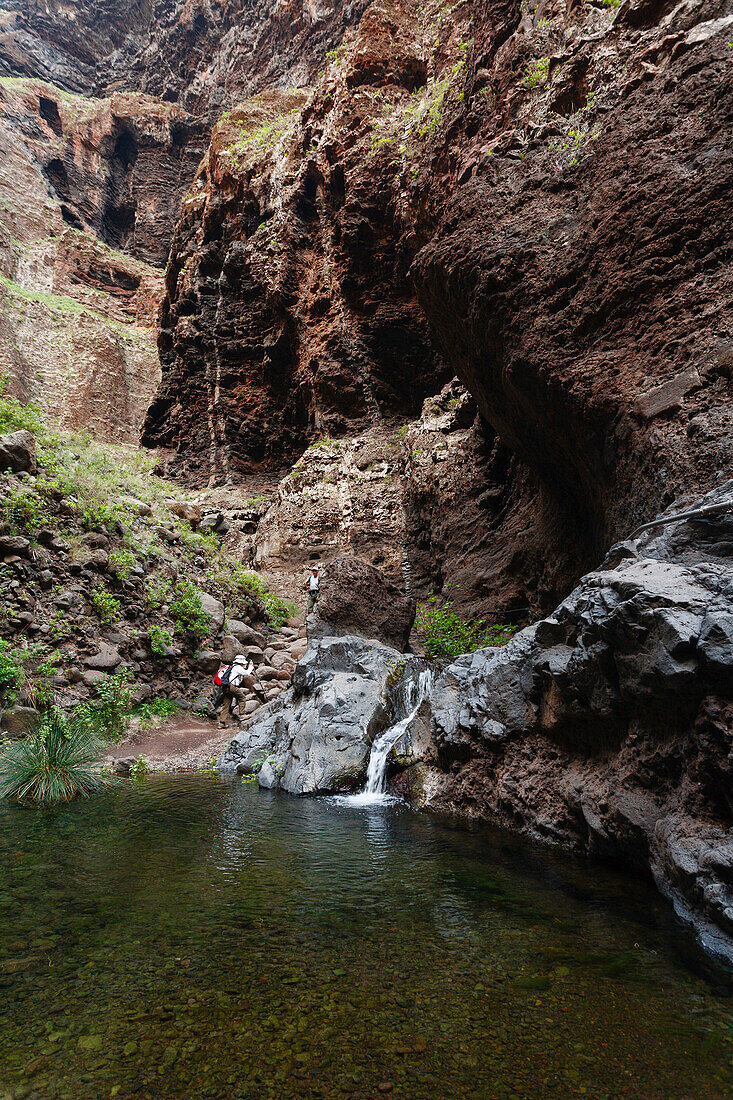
97,514
155,708
445,634
53,764
23,510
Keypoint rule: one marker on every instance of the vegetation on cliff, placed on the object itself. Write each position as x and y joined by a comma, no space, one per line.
97,557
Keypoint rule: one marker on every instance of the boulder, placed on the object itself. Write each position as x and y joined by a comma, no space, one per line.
319,731
357,599
215,610
608,725
246,635
16,721
14,544
18,452
207,661
191,513
106,659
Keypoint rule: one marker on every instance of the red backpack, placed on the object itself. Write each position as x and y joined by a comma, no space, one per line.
222,676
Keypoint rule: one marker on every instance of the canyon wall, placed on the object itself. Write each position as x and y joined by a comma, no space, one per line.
536,202
105,114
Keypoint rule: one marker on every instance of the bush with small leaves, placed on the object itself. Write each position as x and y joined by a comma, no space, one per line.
159,640
445,634
105,604
121,563
110,711
187,612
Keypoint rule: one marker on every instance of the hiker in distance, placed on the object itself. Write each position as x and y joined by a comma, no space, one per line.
233,683
312,585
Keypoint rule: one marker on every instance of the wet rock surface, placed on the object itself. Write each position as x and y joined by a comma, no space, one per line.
316,737
607,725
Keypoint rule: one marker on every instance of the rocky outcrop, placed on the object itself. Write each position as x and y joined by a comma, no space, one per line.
202,56
316,737
608,726
473,192
77,321
105,113
355,598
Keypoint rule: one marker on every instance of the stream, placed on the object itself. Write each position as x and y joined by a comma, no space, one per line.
186,937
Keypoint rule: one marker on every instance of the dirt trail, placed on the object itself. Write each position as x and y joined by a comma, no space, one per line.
178,744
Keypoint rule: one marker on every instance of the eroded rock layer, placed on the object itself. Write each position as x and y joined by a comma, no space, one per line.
536,202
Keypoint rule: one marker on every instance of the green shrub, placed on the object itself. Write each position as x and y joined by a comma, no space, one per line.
140,768
121,563
159,640
110,711
536,73
206,543
105,604
26,667
445,634
277,609
12,673
155,708
96,514
23,510
157,592
187,612
53,764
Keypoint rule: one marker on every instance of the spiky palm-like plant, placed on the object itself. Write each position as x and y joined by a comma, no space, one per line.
53,764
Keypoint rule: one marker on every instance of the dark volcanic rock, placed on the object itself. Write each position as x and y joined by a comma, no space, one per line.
18,452
356,598
317,735
608,726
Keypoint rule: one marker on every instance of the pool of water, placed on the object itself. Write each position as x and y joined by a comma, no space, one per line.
189,937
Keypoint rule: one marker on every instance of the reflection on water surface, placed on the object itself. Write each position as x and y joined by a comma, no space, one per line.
186,937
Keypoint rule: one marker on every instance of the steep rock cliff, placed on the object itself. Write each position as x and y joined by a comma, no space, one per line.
536,202
105,114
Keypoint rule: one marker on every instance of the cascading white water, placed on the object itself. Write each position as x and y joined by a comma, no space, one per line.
414,692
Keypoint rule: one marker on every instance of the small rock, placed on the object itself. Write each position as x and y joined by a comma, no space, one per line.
168,534
45,579
92,677
66,600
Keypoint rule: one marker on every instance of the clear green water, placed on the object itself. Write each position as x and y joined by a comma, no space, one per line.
186,937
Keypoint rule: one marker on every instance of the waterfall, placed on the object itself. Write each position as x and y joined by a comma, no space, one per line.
413,691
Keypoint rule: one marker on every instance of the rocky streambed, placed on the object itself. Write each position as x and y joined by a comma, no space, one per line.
605,727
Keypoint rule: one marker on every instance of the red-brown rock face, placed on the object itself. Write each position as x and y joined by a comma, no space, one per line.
96,157
543,200
77,333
